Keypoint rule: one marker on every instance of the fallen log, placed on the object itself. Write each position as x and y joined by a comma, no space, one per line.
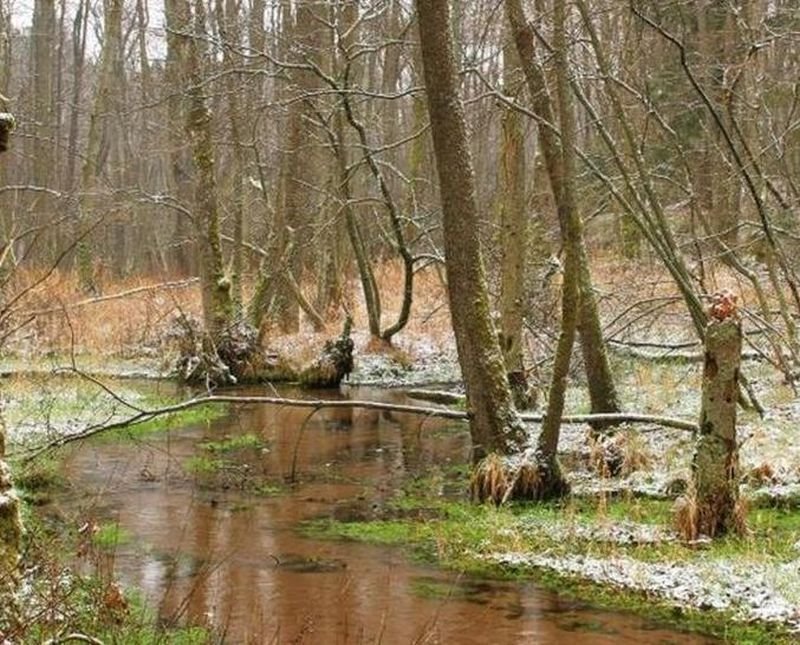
144,415
437,396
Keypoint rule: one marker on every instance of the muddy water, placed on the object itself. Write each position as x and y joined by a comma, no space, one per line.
215,549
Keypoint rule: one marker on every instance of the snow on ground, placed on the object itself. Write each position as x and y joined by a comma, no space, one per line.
749,591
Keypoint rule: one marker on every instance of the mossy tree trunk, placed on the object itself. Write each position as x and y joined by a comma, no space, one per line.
513,233
494,423
229,25
218,309
602,390
552,480
97,143
715,465
10,519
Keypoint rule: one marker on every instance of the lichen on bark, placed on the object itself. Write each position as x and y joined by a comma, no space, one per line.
715,507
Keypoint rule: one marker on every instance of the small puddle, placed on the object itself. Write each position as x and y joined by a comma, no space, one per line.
223,549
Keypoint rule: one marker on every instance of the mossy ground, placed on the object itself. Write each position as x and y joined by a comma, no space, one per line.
459,535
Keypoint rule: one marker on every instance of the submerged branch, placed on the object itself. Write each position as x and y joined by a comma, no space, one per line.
318,404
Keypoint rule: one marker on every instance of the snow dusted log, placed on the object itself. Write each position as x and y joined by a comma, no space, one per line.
319,404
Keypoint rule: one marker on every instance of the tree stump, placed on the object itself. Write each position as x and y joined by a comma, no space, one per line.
334,364
715,508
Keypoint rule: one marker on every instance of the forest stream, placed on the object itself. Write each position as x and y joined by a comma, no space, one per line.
216,545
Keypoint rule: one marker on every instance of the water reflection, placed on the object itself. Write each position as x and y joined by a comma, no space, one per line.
223,556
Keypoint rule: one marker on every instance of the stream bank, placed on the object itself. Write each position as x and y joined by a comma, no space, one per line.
399,480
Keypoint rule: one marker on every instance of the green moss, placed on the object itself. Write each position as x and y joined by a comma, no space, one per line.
267,490
110,536
458,534
380,532
203,414
241,442
202,465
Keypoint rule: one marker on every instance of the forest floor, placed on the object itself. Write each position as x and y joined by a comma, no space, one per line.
615,531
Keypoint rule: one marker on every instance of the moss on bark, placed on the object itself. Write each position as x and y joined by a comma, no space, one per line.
715,465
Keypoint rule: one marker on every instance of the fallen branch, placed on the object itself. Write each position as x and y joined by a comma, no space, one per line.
436,396
318,404
116,296
633,350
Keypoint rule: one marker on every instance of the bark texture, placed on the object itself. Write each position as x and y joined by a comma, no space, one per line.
218,307
513,234
716,459
602,390
10,519
494,423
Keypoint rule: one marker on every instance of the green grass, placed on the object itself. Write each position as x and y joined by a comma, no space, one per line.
247,441
457,534
110,535
203,465
202,414
41,474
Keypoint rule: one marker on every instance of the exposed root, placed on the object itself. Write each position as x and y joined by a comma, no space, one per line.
231,358
334,364
521,477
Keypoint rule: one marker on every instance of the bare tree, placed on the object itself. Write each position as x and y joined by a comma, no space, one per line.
494,423
10,519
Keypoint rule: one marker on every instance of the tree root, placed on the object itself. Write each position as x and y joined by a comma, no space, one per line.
525,477
334,364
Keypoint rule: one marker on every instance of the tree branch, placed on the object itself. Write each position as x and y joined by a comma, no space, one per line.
319,404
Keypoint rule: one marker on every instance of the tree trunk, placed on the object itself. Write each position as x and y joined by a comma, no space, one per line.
494,423
554,484
602,391
176,13
715,466
97,143
298,166
10,519
513,234
218,308
228,24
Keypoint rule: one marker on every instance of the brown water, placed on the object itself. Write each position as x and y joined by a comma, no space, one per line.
206,549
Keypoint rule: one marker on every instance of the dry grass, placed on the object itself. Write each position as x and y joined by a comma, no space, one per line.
58,316
693,518
134,326
619,454
686,514
498,480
